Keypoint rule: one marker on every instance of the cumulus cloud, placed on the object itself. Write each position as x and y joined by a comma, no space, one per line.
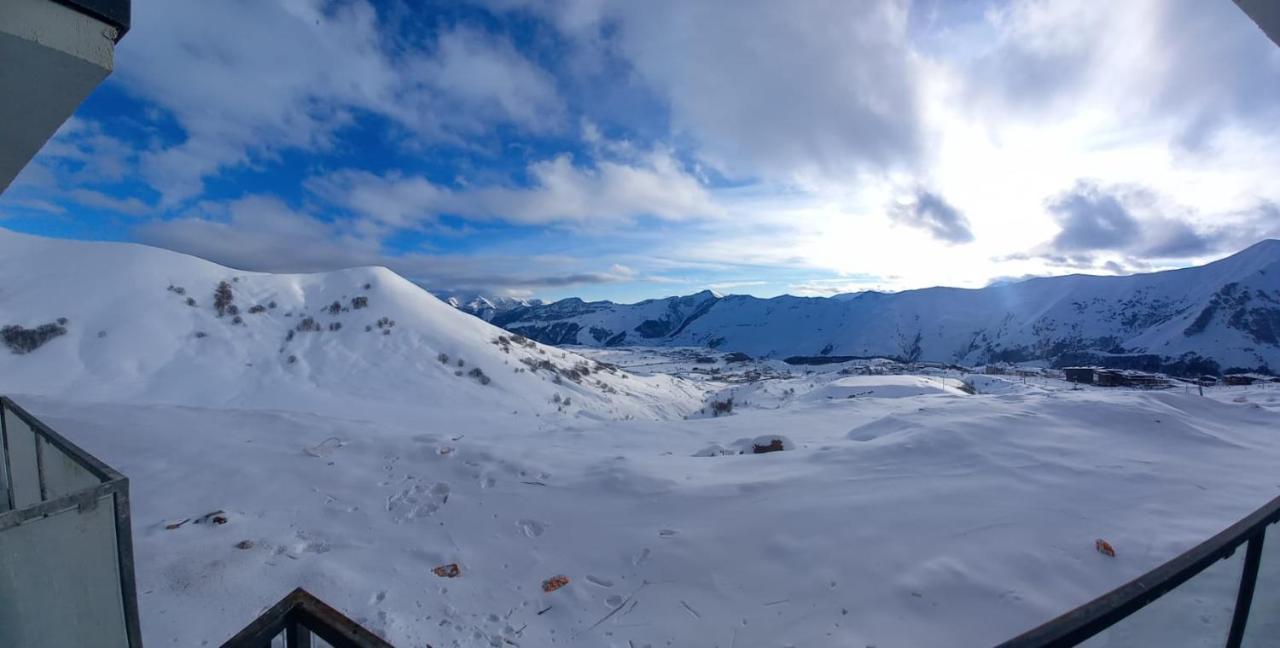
1096,219
246,80
1092,219
1197,66
262,233
82,166
766,89
654,184
928,211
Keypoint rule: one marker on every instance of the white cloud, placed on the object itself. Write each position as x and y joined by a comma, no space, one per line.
246,80
653,184
130,206
808,91
261,233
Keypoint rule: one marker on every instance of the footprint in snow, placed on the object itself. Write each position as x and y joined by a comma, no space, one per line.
602,582
531,528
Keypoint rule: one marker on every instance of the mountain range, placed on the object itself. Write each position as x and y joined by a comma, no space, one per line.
1223,316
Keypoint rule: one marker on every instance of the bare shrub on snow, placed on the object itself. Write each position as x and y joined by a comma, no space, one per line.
24,340
222,297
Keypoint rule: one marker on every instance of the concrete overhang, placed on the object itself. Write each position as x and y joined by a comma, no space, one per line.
52,55
1266,13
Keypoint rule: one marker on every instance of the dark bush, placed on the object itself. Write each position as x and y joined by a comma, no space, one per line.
292,359
288,337
200,334
443,357
24,340
257,308
237,320
333,326
271,304
177,289
308,324
368,286
334,308
359,302
191,301
722,407
479,375
222,297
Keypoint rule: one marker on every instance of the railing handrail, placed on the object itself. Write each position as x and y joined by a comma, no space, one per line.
298,615
87,461
1105,611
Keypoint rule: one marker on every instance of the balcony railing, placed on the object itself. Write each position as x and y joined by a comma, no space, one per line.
1208,596
66,549
296,618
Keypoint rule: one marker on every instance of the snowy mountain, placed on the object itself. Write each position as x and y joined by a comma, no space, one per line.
129,323
1217,317
487,307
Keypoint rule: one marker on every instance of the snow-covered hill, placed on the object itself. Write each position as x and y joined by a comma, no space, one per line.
1217,317
129,323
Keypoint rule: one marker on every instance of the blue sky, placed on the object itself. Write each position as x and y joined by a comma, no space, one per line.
628,150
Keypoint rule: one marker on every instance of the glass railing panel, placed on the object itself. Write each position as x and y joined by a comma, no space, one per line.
1196,614
1263,629
24,473
60,580
63,475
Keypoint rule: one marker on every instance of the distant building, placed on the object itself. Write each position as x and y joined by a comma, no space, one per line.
1124,378
1248,379
1083,375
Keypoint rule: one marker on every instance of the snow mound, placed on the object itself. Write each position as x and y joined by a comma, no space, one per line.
137,324
886,387
763,444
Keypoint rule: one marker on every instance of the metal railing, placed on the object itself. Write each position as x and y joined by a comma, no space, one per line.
1112,611
66,546
296,618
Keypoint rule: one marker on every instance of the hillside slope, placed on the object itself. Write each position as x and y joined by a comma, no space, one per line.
123,322
1216,317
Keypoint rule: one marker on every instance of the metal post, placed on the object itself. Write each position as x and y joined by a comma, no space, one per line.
8,467
296,635
39,447
1248,580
